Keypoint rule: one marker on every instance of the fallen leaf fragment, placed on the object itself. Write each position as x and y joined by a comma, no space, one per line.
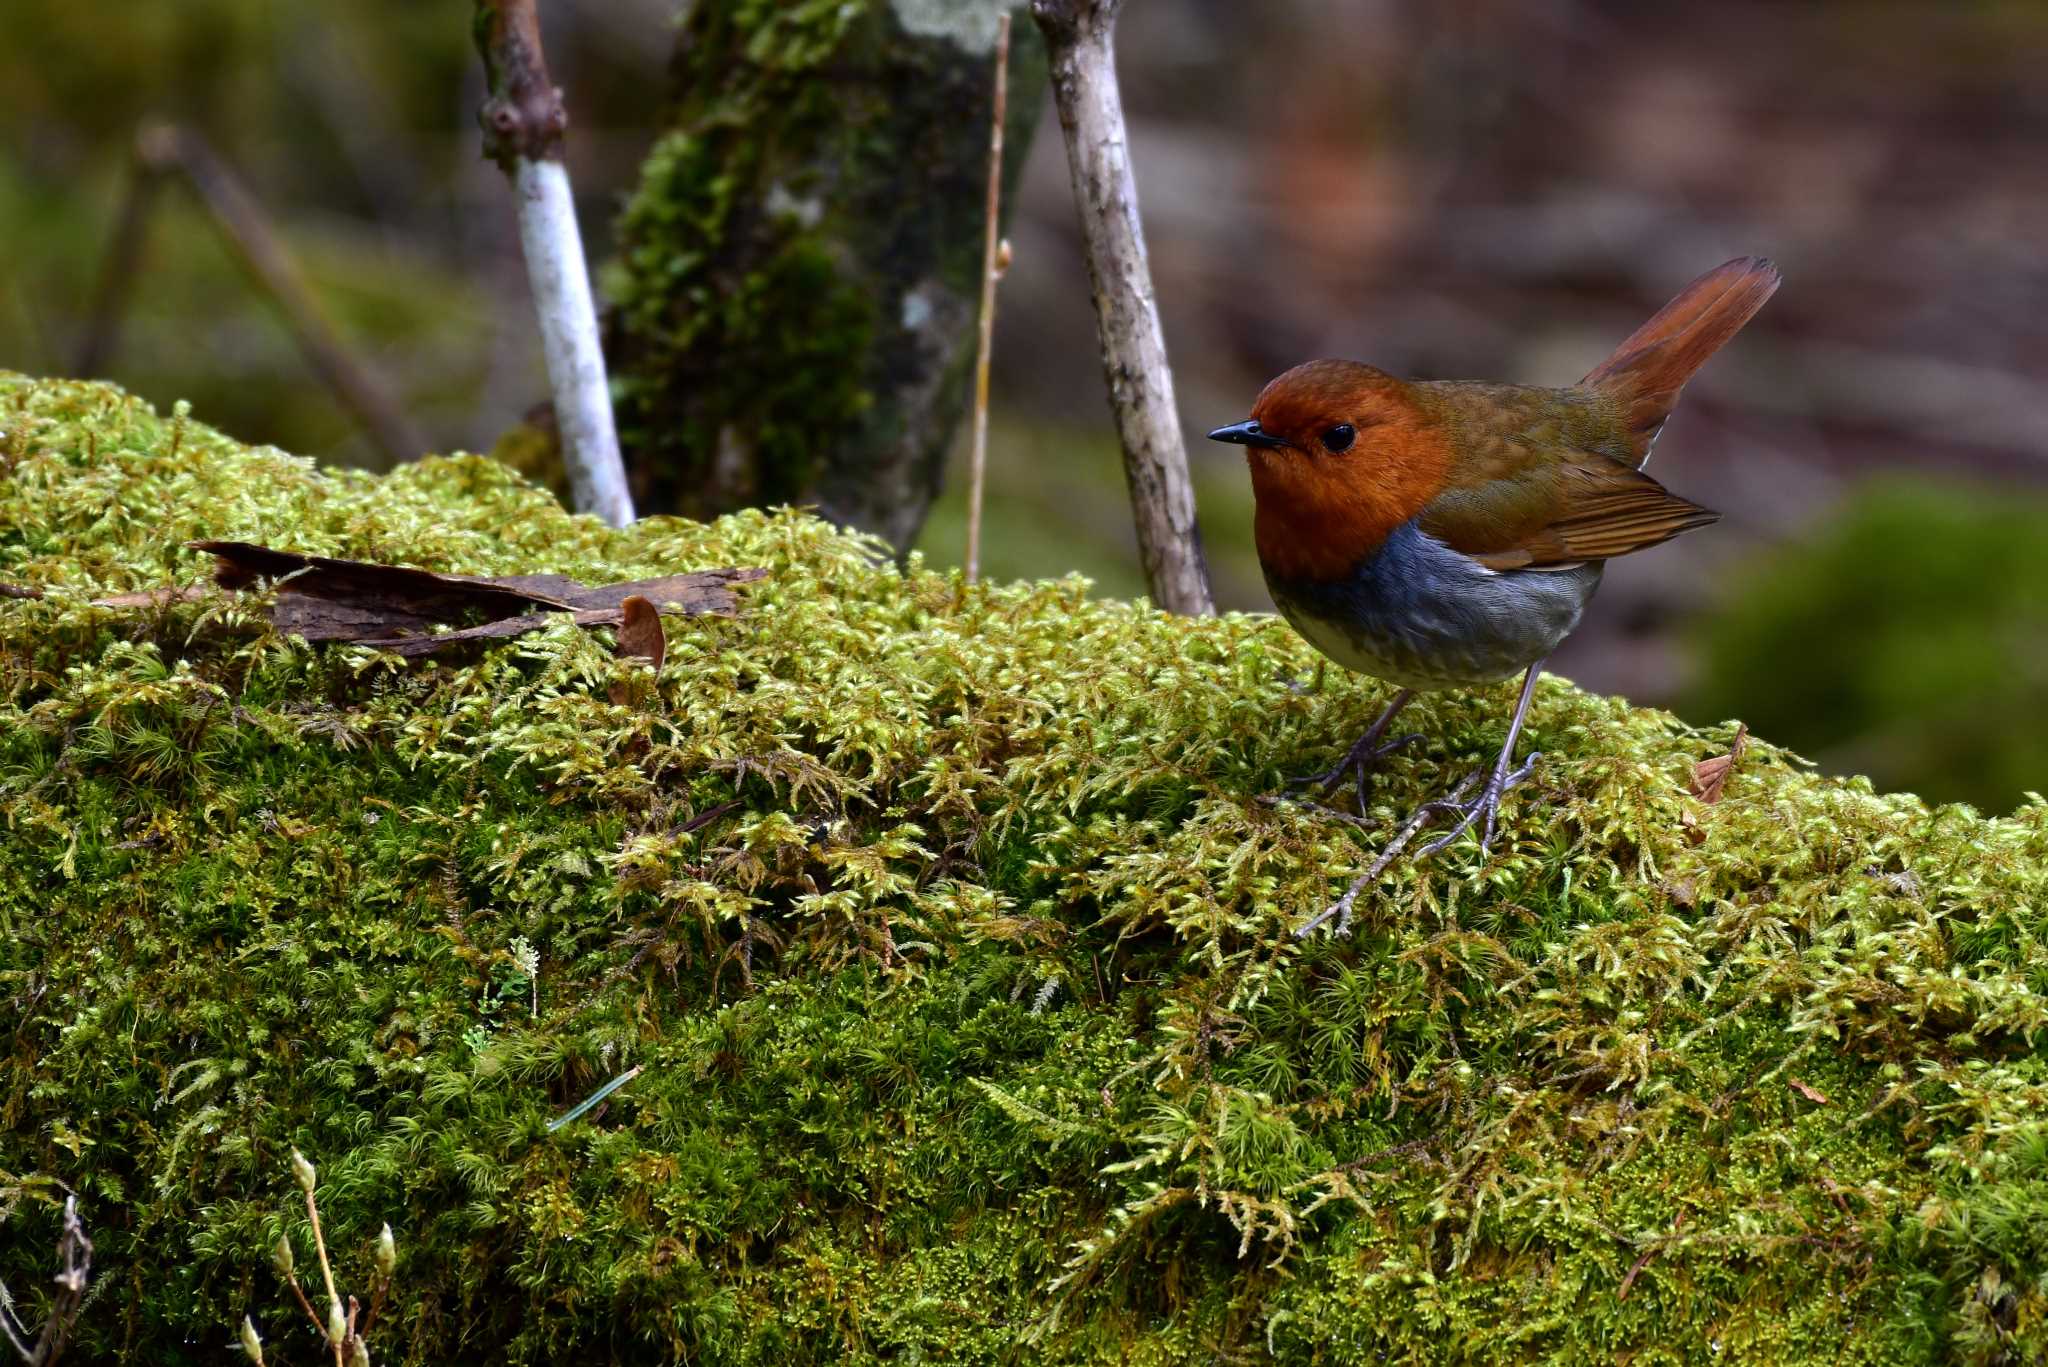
401,609
1710,776
1811,1093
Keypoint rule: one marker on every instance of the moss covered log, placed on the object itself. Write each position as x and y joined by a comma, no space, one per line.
953,944
792,306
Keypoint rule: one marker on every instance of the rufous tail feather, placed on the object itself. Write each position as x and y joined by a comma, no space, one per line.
1649,369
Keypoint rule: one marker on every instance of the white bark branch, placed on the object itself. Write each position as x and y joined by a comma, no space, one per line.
569,340
1080,36
523,122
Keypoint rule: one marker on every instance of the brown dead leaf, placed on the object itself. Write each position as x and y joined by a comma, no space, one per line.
401,609
640,631
640,637
1710,776
1811,1093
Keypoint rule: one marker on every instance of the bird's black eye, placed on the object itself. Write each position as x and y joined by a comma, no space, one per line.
1340,437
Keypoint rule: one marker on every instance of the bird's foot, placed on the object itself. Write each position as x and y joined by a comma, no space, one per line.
1360,760
1468,811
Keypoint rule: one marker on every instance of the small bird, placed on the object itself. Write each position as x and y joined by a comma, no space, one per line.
1439,534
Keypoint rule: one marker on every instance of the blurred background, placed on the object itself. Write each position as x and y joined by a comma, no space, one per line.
1447,188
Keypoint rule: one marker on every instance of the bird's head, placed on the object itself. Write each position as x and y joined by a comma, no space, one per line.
1341,454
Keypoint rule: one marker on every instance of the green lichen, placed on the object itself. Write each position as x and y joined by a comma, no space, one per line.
954,944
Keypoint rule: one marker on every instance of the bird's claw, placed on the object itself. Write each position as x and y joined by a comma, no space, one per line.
1362,758
1484,803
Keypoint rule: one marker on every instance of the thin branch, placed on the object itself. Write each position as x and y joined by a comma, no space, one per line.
524,121
1080,37
118,275
319,1325
334,1329
162,150
1341,908
992,266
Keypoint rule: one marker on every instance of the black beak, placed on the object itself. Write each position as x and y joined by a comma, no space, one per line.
1246,433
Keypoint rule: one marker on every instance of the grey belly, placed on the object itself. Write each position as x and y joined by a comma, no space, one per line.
1421,615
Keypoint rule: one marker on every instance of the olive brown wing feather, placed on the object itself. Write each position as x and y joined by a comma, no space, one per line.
1581,507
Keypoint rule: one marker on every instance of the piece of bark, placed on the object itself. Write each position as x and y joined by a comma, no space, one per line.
398,608
422,593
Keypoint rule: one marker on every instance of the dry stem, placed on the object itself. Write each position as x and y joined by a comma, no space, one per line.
991,271
165,150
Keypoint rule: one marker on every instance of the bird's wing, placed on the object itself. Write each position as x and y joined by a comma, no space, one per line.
1557,510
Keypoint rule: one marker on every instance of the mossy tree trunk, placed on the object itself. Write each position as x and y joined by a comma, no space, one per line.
793,304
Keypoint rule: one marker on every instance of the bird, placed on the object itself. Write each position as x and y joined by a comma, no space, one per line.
1445,534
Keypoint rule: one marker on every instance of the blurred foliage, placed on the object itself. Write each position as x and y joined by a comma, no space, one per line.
1906,638
1056,503
956,944
353,126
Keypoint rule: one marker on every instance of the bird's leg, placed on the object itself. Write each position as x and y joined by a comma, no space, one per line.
1366,752
1486,802
1454,803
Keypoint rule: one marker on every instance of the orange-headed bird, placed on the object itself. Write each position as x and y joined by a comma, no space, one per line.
1438,533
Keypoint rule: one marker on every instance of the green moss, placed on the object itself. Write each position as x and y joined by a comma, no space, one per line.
954,943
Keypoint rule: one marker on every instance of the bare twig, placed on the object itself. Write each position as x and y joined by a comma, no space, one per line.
74,1270
118,275
524,120
1341,908
991,270
165,150
312,1315
1080,37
